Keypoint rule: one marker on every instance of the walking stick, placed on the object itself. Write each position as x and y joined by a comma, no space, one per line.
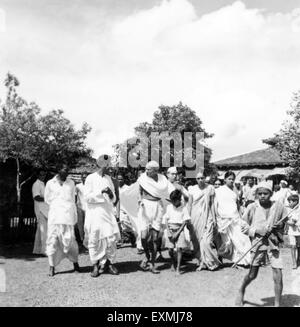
266,236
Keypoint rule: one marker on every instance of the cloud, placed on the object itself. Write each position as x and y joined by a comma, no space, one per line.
236,67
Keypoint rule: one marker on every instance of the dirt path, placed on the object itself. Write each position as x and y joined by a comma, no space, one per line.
27,284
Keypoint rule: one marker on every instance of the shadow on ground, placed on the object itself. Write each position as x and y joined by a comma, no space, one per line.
19,252
287,300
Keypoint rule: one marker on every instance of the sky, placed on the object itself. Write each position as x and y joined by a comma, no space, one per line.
111,63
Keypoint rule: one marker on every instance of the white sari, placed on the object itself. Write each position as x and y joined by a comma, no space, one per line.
234,242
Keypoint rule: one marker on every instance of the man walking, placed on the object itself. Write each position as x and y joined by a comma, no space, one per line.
61,242
101,227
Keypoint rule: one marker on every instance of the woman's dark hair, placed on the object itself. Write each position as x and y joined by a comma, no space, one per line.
294,198
175,195
229,173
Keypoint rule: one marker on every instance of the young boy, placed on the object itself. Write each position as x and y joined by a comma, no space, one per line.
176,218
262,222
294,230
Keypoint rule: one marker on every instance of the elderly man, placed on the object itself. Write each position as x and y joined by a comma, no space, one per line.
41,212
261,221
172,175
61,242
101,227
153,188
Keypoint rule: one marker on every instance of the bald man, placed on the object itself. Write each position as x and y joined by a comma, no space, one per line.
153,189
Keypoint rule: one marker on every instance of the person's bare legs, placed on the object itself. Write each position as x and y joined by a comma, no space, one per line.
154,239
173,259
294,256
252,274
179,258
144,241
278,285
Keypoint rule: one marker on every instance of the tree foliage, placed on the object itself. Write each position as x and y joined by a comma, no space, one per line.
42,141
173,119
287,140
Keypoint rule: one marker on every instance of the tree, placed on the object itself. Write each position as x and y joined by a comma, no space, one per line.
287,140
36,140
172,119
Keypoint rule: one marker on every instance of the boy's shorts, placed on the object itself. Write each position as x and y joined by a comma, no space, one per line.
181,242
273,255
294,240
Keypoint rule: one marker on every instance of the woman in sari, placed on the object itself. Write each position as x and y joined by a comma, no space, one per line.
233,242
203,223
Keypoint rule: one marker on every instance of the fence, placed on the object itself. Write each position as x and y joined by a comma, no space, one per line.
19,230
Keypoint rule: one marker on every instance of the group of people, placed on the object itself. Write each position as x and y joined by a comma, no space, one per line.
214,221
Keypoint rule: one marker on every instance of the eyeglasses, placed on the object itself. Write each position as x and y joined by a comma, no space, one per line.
200,178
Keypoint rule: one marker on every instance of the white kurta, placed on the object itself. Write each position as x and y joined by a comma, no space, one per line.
62,217
101,227
41,212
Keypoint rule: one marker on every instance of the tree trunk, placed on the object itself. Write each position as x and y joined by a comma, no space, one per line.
19,207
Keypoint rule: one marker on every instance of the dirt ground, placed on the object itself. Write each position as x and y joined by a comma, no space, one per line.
27,283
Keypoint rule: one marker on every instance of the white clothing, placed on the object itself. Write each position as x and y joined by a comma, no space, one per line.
282,195
295,218
61,200
234,242
101,227
150,215
102,249
227,203
38,189
94,185
175,215
158,189
41,212
81,203
61,243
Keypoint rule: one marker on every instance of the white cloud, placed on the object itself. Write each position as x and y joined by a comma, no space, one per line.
237,67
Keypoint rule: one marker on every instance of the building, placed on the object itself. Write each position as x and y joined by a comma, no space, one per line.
261,164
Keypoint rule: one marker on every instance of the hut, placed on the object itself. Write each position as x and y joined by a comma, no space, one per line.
261,164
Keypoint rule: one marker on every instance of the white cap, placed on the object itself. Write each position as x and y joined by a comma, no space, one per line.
265,185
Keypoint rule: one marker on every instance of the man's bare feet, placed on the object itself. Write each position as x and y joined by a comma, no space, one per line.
51,272
239,301
144,265
95,272
202,266
76,267
153,269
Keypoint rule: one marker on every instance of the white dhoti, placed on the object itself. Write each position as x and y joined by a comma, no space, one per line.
101,232
102,249
150,215
40,235
234,242
61,243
